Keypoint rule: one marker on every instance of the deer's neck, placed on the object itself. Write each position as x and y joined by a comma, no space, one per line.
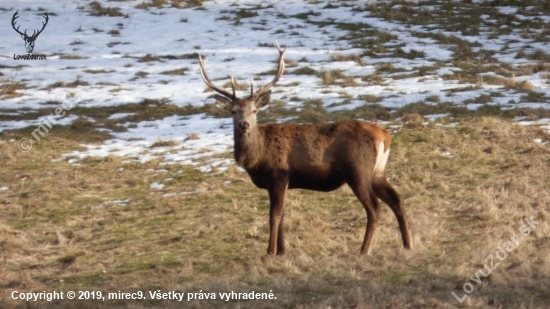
248,148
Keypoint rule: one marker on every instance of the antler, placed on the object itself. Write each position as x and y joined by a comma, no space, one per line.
211,85
280,70
34,34
43,25
13,23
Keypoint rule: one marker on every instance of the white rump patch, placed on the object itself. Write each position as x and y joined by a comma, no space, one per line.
381,160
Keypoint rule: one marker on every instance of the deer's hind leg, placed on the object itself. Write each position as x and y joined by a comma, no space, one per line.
387,193
362,188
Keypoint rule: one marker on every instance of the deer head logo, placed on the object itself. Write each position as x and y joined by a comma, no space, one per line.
29,40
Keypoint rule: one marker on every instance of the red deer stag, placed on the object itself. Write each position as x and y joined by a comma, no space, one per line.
319,157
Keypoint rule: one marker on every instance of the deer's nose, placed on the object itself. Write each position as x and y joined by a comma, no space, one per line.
244,125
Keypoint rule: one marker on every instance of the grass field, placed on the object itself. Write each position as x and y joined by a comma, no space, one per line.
467,188
456,82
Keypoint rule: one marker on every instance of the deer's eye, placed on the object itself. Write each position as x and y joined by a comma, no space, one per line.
233,112
255,111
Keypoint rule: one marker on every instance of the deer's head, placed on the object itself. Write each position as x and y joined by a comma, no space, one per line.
244,110
29,40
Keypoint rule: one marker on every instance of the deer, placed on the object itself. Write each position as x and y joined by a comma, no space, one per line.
29,40
320,157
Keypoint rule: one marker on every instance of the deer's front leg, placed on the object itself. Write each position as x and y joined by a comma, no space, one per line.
276,210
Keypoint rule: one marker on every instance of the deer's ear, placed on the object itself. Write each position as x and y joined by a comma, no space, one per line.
263,100
223,102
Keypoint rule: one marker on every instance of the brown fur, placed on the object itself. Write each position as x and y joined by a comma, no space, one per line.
320,157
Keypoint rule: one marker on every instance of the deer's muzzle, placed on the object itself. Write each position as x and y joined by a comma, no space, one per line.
243,125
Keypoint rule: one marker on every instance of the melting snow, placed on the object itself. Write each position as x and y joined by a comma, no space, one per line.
110,73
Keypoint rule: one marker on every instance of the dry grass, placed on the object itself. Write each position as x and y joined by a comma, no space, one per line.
465,189
180,71
169,3
96,9
350,82
77,82
164,143
149,58
72,57
245,85
8,89
330,77
509,83
355,58
97,71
